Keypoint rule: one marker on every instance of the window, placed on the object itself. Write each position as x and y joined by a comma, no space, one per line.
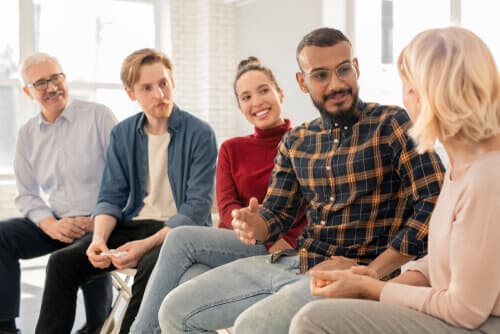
378,38
90,38
9,86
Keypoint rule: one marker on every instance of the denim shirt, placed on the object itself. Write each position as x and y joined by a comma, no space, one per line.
192,155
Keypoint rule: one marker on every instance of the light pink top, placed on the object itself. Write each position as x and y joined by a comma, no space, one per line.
463,261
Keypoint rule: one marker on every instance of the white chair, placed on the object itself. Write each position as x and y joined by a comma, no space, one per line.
122,281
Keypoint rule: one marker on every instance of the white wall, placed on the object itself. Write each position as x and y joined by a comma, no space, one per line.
271,30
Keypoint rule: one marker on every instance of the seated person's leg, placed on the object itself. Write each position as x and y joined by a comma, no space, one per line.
214,299
20,238
67,269
97,296
187,252
274,313
364,316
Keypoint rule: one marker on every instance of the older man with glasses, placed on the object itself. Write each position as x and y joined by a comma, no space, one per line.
60,152
369,197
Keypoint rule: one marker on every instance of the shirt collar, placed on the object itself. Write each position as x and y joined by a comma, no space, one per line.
352,118
68,114
174,121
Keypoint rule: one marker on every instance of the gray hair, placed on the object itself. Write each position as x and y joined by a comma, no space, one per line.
34,59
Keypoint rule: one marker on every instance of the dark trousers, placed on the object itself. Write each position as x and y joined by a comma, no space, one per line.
20,238
68,268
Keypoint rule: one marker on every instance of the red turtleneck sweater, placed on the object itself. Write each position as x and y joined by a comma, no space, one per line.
244,167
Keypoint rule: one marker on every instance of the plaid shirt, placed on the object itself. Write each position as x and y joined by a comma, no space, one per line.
365,185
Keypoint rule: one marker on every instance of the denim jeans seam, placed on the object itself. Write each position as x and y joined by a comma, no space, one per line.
222,302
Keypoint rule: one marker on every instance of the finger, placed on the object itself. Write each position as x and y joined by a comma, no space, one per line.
236,224
324,275
64,238
253,204
235,213
247,241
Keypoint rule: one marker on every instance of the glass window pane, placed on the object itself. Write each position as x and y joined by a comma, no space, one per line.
379,80
118,101
9,108
101,35
9,39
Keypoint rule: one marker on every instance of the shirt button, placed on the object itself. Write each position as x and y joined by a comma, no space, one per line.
332,199
336,125
323,223
346,127
303,250
336,141
328,167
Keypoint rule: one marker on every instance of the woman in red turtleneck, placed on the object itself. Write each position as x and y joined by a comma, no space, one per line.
245,163
243,171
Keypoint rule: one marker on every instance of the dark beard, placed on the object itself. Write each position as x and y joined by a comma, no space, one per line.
342,117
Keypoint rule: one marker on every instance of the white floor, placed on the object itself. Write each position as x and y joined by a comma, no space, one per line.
32,281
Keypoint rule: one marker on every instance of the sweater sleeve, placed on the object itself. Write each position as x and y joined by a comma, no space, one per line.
422,266
226,189
474,288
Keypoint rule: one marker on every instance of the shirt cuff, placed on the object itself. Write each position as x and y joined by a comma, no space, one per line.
37,216
421,266
404,295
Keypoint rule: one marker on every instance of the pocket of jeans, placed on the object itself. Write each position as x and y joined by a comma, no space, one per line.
285,252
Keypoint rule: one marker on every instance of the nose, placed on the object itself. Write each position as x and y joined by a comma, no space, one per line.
257,100
159,93
334,83
51,85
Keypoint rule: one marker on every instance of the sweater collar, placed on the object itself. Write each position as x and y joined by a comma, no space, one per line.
277,131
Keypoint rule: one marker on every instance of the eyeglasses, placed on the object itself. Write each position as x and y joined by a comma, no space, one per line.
323,76
42,84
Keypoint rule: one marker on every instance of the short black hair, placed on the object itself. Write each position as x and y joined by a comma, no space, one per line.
321,37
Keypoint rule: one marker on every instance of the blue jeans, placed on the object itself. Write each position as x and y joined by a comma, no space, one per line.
253,294
188,251
20,238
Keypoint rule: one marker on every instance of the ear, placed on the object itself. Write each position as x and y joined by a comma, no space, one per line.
27,91
281,96
301,81
172,79
130,93
356,66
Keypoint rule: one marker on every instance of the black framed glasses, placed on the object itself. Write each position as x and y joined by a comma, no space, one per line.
42,84
323,76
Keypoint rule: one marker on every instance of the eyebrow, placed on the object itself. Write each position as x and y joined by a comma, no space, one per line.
258,87
152,83
327,68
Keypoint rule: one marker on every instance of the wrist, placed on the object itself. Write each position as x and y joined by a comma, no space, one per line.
371,288
45,224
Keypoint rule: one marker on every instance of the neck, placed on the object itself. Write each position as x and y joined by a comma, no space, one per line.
463,153
51,115
156,126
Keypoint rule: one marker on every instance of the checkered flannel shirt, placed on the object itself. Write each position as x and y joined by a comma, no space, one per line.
365,186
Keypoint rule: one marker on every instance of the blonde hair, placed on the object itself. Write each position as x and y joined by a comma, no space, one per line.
35,59
458,83
131,66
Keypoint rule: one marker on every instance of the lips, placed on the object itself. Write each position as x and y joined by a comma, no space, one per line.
262,113
338,96
53,95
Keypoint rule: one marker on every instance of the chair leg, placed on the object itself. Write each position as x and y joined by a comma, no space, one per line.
124,293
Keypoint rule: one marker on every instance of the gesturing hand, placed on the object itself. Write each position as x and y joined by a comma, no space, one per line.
244,221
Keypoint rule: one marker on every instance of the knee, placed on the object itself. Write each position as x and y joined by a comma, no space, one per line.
61,262
251,321
180,236
170,315
302,322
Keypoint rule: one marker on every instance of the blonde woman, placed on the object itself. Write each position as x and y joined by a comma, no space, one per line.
451,89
